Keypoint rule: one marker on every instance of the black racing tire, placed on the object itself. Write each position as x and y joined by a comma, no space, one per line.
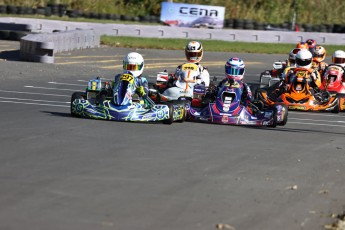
274,115
337,107
183,103
253,88
285,117
76,95
170,120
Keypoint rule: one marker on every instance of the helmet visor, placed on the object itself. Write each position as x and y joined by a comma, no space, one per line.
318,55
132,67
232,70
193,54
311,43
303,62
338,60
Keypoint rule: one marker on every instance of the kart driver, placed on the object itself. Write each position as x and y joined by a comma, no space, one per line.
319,55
338,58
133,64
304,60
194,54
234,73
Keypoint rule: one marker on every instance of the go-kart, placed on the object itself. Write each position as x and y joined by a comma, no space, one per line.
299,95
333,79
172,87
227,108
100,101
270,77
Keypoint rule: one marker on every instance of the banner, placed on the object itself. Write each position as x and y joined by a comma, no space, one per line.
191,15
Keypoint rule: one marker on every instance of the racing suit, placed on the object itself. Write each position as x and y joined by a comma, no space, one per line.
290,76
140,85
320,67
204,74
246,97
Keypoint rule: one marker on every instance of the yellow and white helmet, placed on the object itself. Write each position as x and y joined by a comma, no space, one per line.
194,51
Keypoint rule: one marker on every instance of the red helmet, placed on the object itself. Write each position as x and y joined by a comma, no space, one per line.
311,43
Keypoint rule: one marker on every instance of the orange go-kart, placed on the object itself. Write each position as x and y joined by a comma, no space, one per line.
299,95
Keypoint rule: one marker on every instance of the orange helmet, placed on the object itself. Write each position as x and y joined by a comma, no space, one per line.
302,45
319,53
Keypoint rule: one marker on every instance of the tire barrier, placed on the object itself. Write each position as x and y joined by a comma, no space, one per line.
62,10
65,41
42,47
15,26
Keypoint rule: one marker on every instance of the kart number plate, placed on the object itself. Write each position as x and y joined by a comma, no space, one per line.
91,95
297,107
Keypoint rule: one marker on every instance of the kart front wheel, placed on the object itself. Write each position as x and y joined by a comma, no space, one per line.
75,96
170,120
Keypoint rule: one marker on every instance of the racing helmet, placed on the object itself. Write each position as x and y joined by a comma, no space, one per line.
188,73
304,59
194,51
134,63
311,43
338,58
292,56
302,45
319,53
235,68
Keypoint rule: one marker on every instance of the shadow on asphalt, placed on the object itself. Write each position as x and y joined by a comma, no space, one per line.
58,114
12,55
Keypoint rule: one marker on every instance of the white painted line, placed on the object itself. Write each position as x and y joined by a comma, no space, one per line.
305,119
37,87
293,122
324,114
28,103
24,99
45,94
60,83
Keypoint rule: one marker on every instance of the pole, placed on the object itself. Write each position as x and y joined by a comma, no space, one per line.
293,24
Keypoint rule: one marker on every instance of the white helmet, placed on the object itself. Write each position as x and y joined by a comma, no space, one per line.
134,63
338,58
194,51
304,59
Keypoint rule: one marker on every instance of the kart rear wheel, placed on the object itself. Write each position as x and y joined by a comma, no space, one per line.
285,116
337,106
274,116
183,103
76,95
170,120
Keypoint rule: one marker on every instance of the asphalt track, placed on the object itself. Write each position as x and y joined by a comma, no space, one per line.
59,172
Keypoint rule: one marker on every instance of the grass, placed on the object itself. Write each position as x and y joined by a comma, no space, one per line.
209,45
